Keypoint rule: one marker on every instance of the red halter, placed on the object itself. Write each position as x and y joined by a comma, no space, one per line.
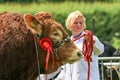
87,49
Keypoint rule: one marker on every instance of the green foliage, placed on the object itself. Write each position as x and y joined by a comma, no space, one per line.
106,15
29,1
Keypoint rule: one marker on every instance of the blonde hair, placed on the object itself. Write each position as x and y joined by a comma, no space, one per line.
71,18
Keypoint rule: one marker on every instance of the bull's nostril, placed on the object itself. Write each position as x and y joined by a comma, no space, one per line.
79,54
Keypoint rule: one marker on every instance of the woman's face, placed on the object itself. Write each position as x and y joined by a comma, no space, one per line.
77,25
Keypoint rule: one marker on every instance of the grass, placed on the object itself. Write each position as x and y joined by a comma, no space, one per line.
59,7
63,8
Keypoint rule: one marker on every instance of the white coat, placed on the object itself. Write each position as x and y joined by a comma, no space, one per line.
79,70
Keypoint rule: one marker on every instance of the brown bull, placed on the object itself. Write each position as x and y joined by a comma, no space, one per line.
18,59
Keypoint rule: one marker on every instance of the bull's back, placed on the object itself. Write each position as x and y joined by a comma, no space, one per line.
16,47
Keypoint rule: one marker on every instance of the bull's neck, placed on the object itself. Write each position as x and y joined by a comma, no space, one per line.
50,69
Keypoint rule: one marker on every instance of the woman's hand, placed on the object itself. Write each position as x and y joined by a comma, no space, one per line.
87,37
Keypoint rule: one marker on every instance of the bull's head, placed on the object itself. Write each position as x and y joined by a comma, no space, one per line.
44,26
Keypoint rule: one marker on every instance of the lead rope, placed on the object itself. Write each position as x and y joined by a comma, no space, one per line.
87,49
37,57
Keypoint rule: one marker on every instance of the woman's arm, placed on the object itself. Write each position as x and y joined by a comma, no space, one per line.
98,47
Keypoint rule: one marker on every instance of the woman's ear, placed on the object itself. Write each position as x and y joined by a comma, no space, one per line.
33,24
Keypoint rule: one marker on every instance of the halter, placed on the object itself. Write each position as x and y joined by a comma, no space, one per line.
59,43
48,45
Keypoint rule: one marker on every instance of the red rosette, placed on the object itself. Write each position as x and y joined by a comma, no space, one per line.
45,43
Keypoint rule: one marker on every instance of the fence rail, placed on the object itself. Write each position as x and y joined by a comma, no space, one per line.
108,61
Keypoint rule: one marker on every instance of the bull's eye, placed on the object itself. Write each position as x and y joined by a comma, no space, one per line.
55,34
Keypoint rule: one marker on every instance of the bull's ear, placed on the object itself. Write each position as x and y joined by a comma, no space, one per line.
32,24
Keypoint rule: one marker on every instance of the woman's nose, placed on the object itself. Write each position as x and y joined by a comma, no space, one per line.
79,24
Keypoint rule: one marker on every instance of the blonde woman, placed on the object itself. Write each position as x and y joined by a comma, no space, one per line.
75,22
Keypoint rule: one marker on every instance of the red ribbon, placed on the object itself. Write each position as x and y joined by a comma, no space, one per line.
87,49
46,44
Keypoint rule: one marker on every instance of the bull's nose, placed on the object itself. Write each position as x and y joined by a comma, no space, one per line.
79,54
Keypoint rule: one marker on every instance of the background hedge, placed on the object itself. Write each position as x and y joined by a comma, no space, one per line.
105,14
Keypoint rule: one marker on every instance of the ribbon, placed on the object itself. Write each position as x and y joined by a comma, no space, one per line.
47,45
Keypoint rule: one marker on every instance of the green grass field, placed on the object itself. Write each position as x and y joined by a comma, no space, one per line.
59,7
64,8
